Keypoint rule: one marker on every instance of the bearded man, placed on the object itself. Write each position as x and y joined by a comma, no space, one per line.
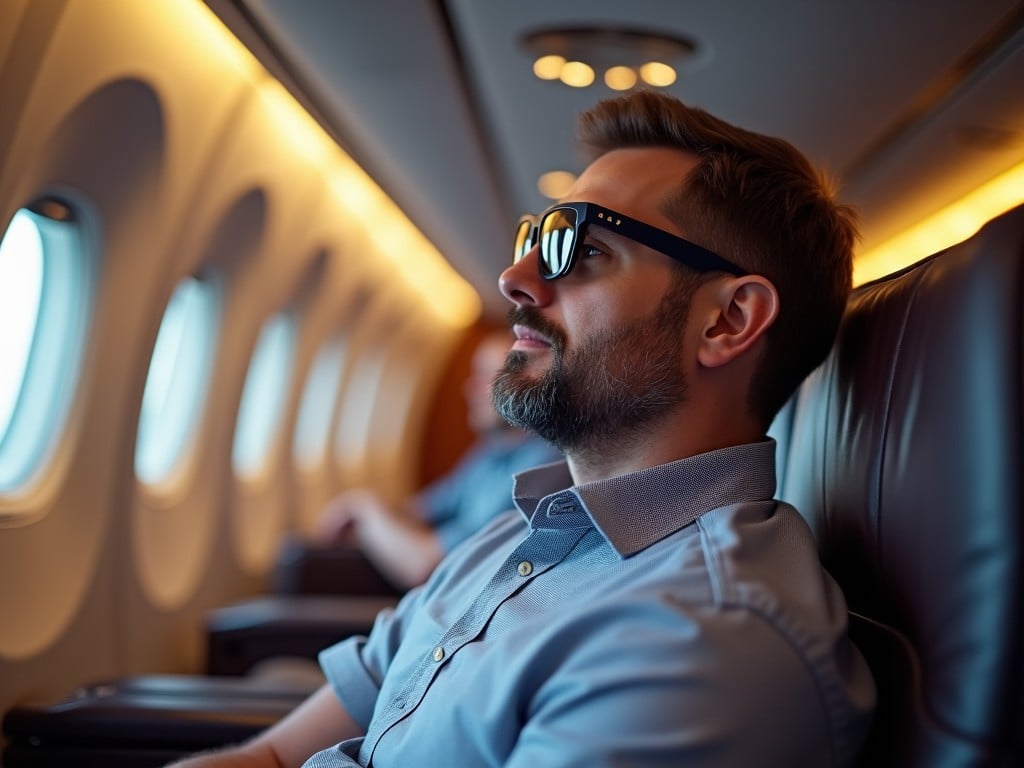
649,603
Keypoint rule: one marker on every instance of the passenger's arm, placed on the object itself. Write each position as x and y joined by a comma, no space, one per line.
402,546
397,539
319,722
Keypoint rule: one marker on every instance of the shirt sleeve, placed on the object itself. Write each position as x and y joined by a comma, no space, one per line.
355,667
726,691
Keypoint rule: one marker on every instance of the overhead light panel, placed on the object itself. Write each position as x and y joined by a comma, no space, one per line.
625,58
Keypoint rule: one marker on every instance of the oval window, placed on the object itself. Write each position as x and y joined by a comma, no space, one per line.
179,373
45,294
263,397
318,400
21,286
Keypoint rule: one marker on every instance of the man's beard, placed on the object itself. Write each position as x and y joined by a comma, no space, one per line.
610,388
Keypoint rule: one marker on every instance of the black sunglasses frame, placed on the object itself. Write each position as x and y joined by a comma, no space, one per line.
673,246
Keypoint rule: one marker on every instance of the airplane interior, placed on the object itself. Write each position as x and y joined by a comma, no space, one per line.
248,247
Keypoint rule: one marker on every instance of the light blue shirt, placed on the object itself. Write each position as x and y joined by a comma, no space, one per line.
672,617
479,488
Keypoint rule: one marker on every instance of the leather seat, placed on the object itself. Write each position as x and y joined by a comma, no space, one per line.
144,722
904,453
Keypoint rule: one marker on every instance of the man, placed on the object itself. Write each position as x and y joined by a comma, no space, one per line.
651,605
406,542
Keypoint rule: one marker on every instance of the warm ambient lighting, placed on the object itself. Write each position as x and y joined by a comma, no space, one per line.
209,39
303,133
417,262
414,260
950,226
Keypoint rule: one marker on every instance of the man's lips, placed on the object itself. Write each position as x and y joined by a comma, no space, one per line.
528,338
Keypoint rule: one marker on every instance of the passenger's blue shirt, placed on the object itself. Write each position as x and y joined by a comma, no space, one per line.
479,488
672,617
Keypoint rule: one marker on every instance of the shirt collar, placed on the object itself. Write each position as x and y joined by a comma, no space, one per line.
635,510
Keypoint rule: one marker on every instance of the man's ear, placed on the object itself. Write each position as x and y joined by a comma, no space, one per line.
745,307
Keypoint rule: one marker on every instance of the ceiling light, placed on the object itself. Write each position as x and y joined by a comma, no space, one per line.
625,56
620,78
577,74
555,184
657,74
548,67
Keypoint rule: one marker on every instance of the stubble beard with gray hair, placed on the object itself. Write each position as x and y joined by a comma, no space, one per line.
608,390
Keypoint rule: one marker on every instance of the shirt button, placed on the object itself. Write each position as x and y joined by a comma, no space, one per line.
438,653
525,568
400,703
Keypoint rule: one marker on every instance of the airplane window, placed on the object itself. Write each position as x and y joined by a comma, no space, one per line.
178,374
353,425
21,285
264,394
45,284
318,398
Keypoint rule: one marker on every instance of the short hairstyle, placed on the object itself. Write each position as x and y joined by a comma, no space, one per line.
758,202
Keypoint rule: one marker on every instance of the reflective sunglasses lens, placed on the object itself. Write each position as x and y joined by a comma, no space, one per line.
557,242
524,241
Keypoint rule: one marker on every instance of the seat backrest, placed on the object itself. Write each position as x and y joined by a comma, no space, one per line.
904,452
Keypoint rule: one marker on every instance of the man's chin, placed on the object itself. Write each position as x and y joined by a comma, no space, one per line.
527,367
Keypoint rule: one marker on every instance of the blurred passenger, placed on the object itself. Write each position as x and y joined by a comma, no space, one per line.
406,541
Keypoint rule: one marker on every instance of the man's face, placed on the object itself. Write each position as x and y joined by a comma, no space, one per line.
611,385
599,353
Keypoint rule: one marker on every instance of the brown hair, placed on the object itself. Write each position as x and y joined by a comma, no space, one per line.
759,203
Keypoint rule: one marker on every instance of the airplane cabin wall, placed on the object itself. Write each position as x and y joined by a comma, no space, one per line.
168,145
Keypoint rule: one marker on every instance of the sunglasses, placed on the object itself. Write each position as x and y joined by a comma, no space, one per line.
561,229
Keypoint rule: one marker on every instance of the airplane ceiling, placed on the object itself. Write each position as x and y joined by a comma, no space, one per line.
908,104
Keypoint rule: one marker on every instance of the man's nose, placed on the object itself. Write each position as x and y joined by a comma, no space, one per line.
522,284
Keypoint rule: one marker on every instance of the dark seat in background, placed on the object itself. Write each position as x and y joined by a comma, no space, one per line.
322,594
307,568
144,722
905,455
242,636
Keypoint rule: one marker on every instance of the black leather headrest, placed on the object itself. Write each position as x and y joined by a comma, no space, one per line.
905,456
